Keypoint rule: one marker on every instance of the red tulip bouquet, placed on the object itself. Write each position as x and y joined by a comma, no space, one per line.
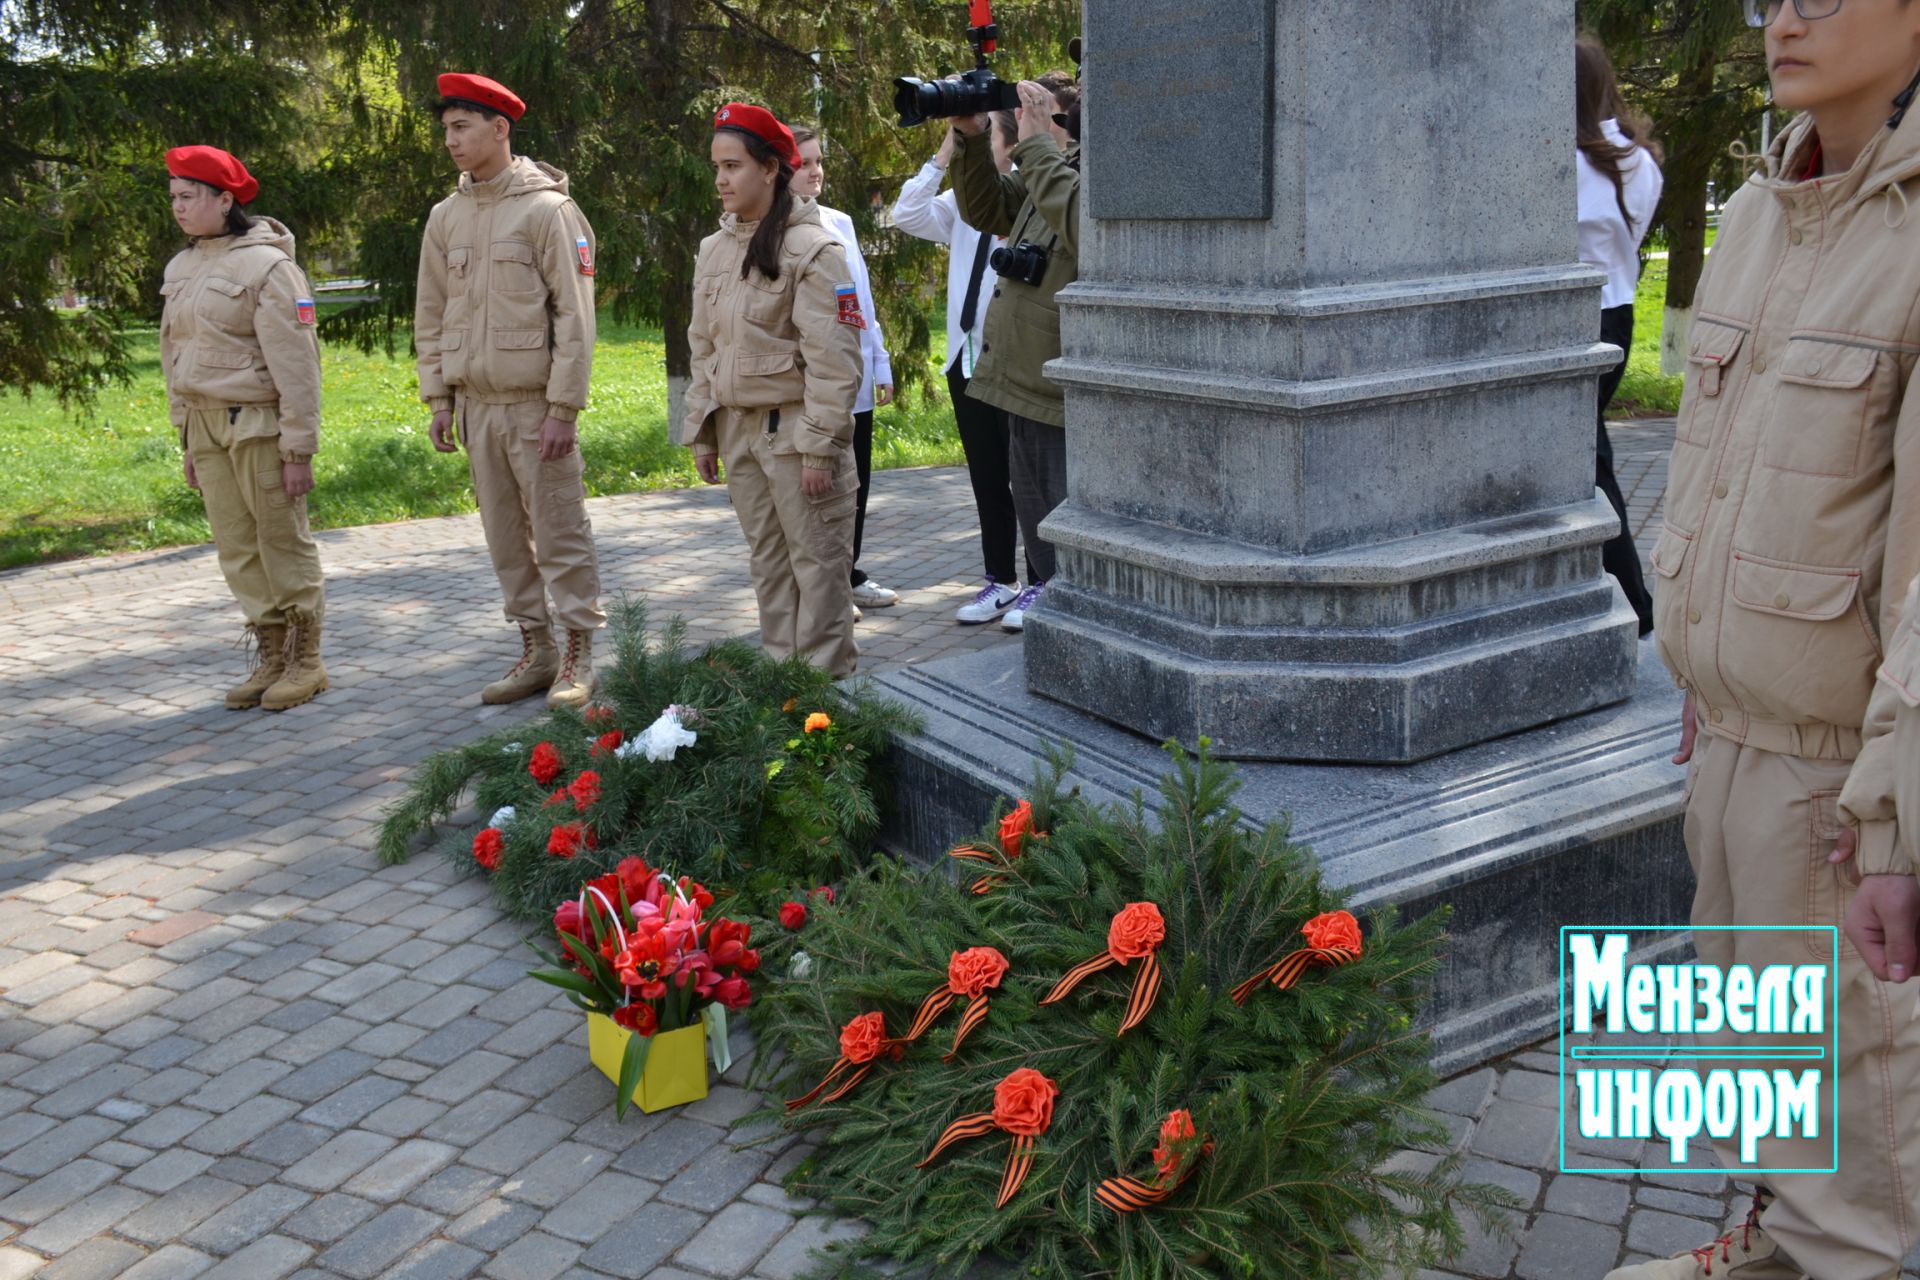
640,957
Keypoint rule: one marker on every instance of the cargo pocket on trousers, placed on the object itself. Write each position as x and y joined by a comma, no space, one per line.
1827,892
272,489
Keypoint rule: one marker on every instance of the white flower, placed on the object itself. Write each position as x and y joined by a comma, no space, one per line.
501,817
661,739
800,967
512,748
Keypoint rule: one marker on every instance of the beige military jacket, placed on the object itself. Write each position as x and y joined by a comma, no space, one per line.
768,344
1885,781
504,311
237,328
1793,500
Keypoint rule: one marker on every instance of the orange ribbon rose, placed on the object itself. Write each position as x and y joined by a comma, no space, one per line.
970,973
1334,939
1023,1107
1134,934
861,1041
1015,830
1177,1138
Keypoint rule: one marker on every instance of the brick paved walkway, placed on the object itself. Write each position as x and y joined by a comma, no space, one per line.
233,1045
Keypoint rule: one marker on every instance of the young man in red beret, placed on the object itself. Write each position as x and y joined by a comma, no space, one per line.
504,329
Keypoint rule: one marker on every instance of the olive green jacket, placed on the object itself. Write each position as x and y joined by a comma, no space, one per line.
1038,203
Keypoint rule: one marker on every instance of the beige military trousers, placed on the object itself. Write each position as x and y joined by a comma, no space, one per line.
800,549
265,548
535,516
1759,829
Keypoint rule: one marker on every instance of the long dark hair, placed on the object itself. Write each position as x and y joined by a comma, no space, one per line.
763,251
1596,97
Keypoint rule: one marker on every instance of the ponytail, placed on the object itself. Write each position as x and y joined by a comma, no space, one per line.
763,251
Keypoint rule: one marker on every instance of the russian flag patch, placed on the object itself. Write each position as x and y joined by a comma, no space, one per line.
849,310
581,247
304,311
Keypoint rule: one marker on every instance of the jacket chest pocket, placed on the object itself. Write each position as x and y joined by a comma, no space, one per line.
171,316
1822,407
224,304
459,270
766,304
513,270
1710,355
1783,613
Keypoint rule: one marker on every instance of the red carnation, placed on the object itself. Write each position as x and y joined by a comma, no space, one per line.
585,790
545,765
792,915
487,846
566,839
608,741
824,891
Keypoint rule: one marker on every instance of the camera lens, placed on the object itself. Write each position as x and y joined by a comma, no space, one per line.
916,100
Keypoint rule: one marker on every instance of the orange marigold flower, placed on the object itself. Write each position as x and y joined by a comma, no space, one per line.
818,720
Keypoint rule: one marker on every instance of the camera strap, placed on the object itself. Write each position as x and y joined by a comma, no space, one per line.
971,307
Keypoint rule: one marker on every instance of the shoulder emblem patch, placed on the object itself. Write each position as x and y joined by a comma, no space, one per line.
304,311
849,300
585,251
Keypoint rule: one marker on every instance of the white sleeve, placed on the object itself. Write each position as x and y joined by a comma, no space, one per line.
873,345
920,212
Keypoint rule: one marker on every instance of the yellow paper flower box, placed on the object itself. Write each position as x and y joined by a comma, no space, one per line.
676,1070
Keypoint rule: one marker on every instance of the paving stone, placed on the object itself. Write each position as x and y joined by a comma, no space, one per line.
1597,1199
224,1135
343,1156
404,1117
91,1091
1523,1183
538,1257
48,1195
174,1262
493,1224
247,1219
670,1148
180,1210
167,1170
590,1212
18,1264
474,1119
454,1191
558,1173
792,1257
437,1260
95,1260
454,1041
1684,1203
634,1247
373,1248
1535,1087
1665,1234
1563,1248
1515,1133
60,1145
81,1221
1487,1254
287,1143
518,1143
266,1259
465,1077
717,1178
329,1218
166,1127
401,1170
325,1075
734,1240
352,1103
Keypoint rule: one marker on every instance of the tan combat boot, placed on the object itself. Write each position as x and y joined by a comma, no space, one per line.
269,645
305,674
574,685
1745,1253
539,664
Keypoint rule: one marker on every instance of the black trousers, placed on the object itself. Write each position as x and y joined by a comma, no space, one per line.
1619,555
1038,452
983,437
862,463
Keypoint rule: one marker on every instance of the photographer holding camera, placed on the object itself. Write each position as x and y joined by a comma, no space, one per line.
1037,209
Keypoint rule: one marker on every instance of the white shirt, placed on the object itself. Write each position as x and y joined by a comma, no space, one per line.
1605,241
876,366
925,211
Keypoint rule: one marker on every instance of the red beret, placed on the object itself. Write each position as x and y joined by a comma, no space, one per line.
488,93
762,124
216,168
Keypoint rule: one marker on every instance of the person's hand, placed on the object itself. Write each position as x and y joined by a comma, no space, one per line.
1036,110
708,465
882,394
193,478
1881,924
944,156
441,432
556,439
815,483
1688,728
297,479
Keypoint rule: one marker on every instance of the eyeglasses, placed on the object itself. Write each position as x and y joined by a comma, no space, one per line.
1761,13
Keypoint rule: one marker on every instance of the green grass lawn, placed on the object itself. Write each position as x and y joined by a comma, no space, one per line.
73,484
1643,391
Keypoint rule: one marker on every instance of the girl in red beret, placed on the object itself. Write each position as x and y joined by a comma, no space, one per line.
242,366
776,367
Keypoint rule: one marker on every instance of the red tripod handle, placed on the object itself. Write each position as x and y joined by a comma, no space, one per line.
979,17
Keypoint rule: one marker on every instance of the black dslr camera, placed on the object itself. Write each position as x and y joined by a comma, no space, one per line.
975,93
1025,262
